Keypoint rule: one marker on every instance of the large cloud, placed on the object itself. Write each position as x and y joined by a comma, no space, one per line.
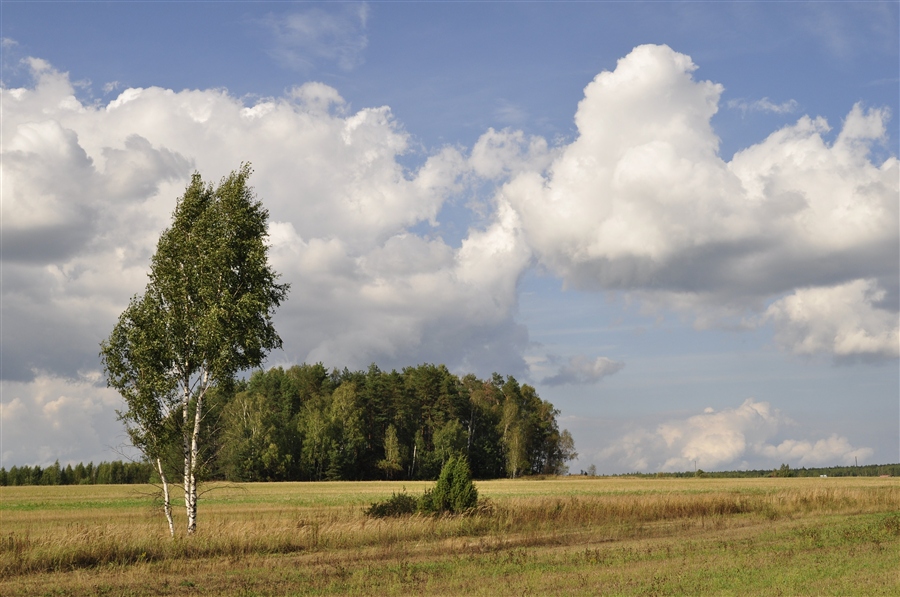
365,287
749,436
642,202
60,419
842,320
87,189
797,231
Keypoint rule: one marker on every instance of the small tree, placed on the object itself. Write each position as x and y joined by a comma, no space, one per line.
391,463
454,491
205,315
784,471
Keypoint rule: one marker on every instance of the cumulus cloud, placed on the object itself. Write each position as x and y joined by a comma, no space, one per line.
795,232
53,418
303,39
642,202
842,320
77,244
499,154
749,436
580,370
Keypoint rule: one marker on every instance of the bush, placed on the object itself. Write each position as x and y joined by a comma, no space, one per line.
454,491
399,504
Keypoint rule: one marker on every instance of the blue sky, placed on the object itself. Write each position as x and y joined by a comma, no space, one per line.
677,220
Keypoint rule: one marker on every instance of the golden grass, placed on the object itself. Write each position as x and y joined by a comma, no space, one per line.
315,536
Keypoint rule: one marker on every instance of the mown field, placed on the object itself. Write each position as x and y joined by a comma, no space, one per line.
558,536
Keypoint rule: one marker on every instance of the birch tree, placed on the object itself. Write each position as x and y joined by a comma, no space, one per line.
391,463
205,315
131,356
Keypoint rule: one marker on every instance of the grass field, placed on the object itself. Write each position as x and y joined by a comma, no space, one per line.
558,536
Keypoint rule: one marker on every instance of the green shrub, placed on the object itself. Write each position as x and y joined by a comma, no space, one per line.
454,491
399,504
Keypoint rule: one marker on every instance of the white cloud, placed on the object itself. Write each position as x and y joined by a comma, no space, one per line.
72,420
764,105
365,288
499,154
303,39
749,436
842,320
641,201
580,370
823,452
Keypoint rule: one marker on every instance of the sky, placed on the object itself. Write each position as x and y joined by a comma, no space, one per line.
678,221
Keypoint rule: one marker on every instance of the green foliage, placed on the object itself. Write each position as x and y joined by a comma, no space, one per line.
253,443
784,471
399,504
205,315
454,492
105,473
391,463
305,423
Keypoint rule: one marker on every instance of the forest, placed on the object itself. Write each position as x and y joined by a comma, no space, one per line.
305,423
310,424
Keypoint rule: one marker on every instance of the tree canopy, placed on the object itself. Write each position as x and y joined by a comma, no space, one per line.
306,423
205,315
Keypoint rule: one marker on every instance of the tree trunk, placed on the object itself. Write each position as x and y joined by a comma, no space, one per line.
195,456
471,431
167,503
186,450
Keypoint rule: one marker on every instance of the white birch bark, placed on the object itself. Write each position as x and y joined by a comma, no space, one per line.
167,503
186,450
195,456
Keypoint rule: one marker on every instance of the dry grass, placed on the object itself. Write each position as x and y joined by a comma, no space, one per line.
568,533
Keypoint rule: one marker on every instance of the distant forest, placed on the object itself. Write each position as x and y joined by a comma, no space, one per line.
118,472
867,470
308,424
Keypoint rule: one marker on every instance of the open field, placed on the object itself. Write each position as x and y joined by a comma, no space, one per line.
561,536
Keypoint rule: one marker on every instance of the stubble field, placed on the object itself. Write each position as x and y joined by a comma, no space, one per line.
556,536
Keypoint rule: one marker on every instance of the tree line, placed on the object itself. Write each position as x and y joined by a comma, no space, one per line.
106,473
306,423
785,470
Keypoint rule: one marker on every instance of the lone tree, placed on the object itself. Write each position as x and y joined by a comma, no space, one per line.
205,315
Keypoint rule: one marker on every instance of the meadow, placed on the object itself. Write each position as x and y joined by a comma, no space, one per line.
552,536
